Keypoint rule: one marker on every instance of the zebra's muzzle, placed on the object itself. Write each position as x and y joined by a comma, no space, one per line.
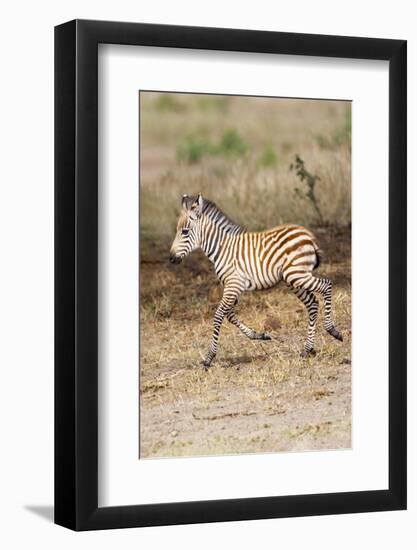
175,259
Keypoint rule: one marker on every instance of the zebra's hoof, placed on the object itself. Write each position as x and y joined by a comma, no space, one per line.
206,366
336,334
264,336
308,353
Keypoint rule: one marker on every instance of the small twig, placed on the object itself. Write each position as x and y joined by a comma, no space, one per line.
224,415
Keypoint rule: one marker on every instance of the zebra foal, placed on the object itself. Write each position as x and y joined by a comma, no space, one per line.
253,261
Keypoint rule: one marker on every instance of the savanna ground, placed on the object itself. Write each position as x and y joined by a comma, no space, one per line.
258,396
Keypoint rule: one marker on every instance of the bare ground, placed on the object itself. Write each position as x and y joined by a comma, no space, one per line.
258,396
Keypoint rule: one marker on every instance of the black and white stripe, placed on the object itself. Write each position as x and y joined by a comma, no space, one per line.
253,261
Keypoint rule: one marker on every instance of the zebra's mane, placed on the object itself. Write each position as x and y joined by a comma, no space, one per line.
214,213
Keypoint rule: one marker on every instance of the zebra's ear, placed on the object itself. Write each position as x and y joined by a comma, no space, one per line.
184,202
196,208
198,205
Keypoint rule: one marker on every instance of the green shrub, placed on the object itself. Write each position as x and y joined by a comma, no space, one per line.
268,158
341,136
213,103
168,102
323,142
231,144
192,149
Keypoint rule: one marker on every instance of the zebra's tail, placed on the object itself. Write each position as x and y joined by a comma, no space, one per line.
319,255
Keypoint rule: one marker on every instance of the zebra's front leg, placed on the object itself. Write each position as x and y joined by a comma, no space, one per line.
229,299
249,332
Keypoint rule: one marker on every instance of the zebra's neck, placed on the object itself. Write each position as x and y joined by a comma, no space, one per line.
215,229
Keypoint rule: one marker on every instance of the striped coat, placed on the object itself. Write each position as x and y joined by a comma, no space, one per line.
252,261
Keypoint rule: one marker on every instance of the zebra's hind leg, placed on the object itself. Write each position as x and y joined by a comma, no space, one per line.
324,286
249,332
312,306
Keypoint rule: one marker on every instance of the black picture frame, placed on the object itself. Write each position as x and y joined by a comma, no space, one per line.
76,272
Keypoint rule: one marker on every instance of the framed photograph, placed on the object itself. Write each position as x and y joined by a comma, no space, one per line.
230,253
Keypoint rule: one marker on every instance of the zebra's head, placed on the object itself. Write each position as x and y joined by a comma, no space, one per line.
187,238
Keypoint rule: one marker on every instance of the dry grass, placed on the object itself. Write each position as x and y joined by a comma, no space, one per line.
256,187
258,396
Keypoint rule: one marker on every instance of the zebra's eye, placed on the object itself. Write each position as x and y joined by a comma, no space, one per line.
185,231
